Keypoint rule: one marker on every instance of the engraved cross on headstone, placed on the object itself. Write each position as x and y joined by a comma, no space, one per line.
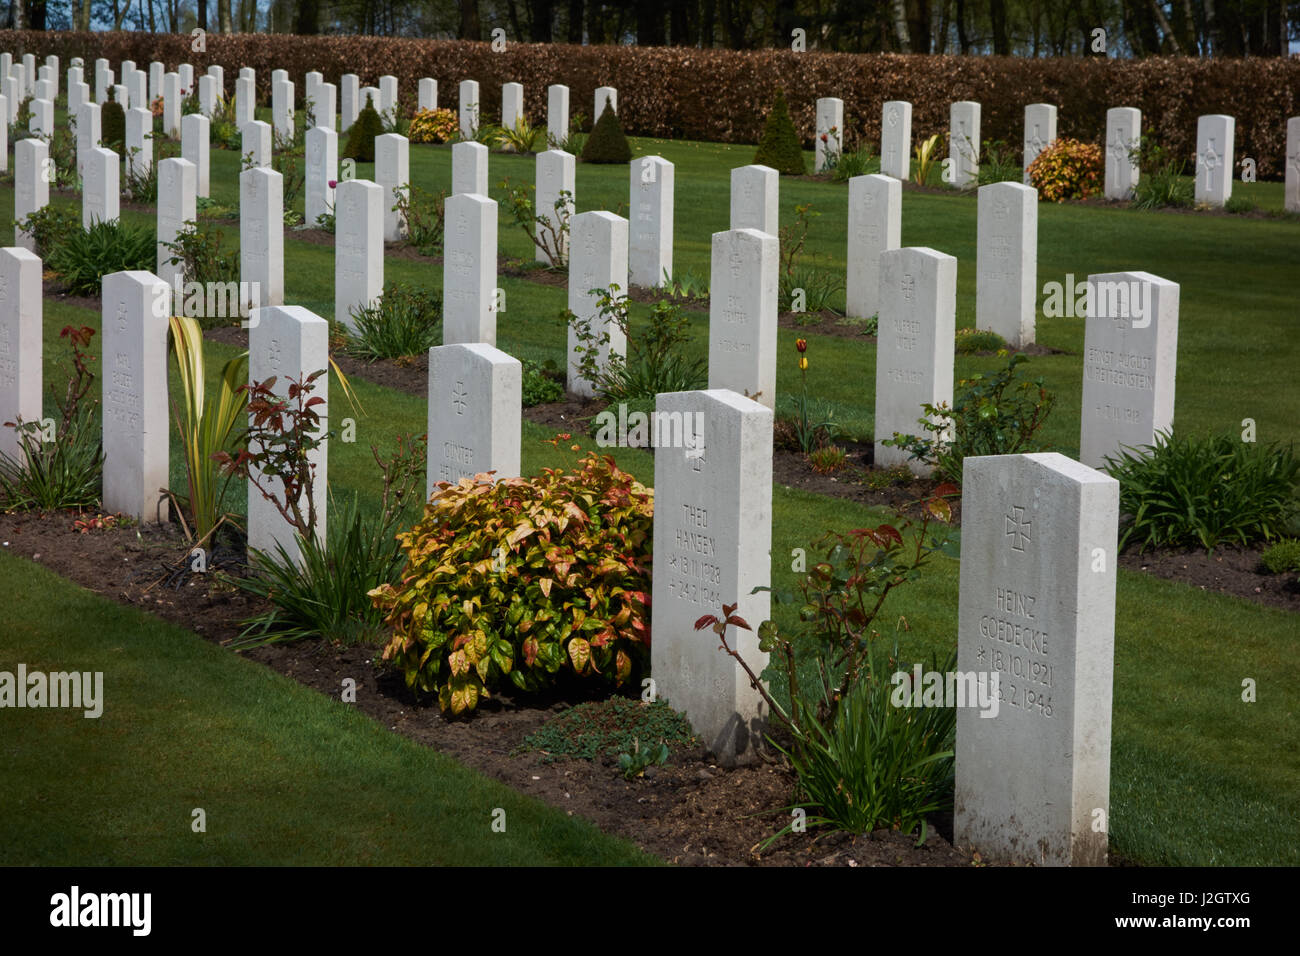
1210,161
1017,529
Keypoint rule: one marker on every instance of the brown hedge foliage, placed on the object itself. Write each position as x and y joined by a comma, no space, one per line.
723,95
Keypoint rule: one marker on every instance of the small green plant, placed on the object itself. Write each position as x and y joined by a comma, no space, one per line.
361,136
197,249
992,414
607,144
140,185
1282,557
780,147
828,459
605,729
855,162
326,222
878,479
869,325
522,138
924,159
51,227
424,213
970,341
1184,492
634,763
1239,205
1163,181
542,383
803,287
998,163
84,257
65,471
549,231
810,434
405,321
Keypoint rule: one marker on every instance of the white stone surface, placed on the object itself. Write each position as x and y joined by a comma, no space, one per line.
261,236
743,281
1123,133
597,260
555,175
322,149
139,141
88,134
650,244
101,190
186,72
1006,269
469,168
875,225
468,102
42,121
349,101
289,342
964,143
512,104
605,96
207,96
255,137
370,95
1037,609
195,143
1040,132
427,94
388,97
830,123
103,83
896,139
20,344
156,73
393,172
358,248
469,270
136,417
138,85
218,75
914,345
31,185
172,105
327,96
557,114
1291,199
713,543
1130,359
754,194
1214,159
475,401
177,188
282,110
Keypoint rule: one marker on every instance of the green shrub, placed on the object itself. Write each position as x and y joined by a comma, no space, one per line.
197,250
361,136
992,414
998,163
970,341
607,728
522,578
542,383
1239,205
1163,180
112,126
423,212
857,162
405,321
51,226
780,147
607,144
1184,492
84,257
1282,557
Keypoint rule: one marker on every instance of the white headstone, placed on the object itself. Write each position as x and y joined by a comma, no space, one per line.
245,102
605,96
261,235
207,96
177,189
597,260
1123,135
964,143
139,141
370,97
1291,200
46,90
830,132
218,75
186,72
650,244
393,172
896,139
1130,358
6,63
78,95
120,95
138,86
256,142
875,226
1036,609
1006,265
156,73
289,343
103,83
1040,132
512,104
713,544
754,192
136,419
914,344
20,344
4,135
101,192
557,113
742,313
469,270
469,168
469,108
311,95
322,148
172,105
88,126
195,141
427,94
388,97
279,76
248,73
32,174
29,71
42,121
1214,165
349,100
555,175
327,95
282,110
358,248
475,397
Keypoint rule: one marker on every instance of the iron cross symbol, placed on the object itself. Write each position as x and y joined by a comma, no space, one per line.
1119,148
893,117
1036,141
1017,529
458,396
1294,161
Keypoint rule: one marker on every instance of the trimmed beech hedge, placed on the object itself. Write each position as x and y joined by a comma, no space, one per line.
724,95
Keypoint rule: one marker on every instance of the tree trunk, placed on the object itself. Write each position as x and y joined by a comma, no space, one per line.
1163,22
900,26
918,27
963,40
471,28
998,21
540,31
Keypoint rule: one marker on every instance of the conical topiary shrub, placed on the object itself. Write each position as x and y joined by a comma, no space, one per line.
607,144
112,126
361,137
779,147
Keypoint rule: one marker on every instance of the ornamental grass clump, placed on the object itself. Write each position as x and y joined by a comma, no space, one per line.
522,579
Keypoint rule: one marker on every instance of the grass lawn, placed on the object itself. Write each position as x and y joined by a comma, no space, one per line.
1198,777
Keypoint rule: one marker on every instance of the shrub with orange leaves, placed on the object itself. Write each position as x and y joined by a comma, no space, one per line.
1068,169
